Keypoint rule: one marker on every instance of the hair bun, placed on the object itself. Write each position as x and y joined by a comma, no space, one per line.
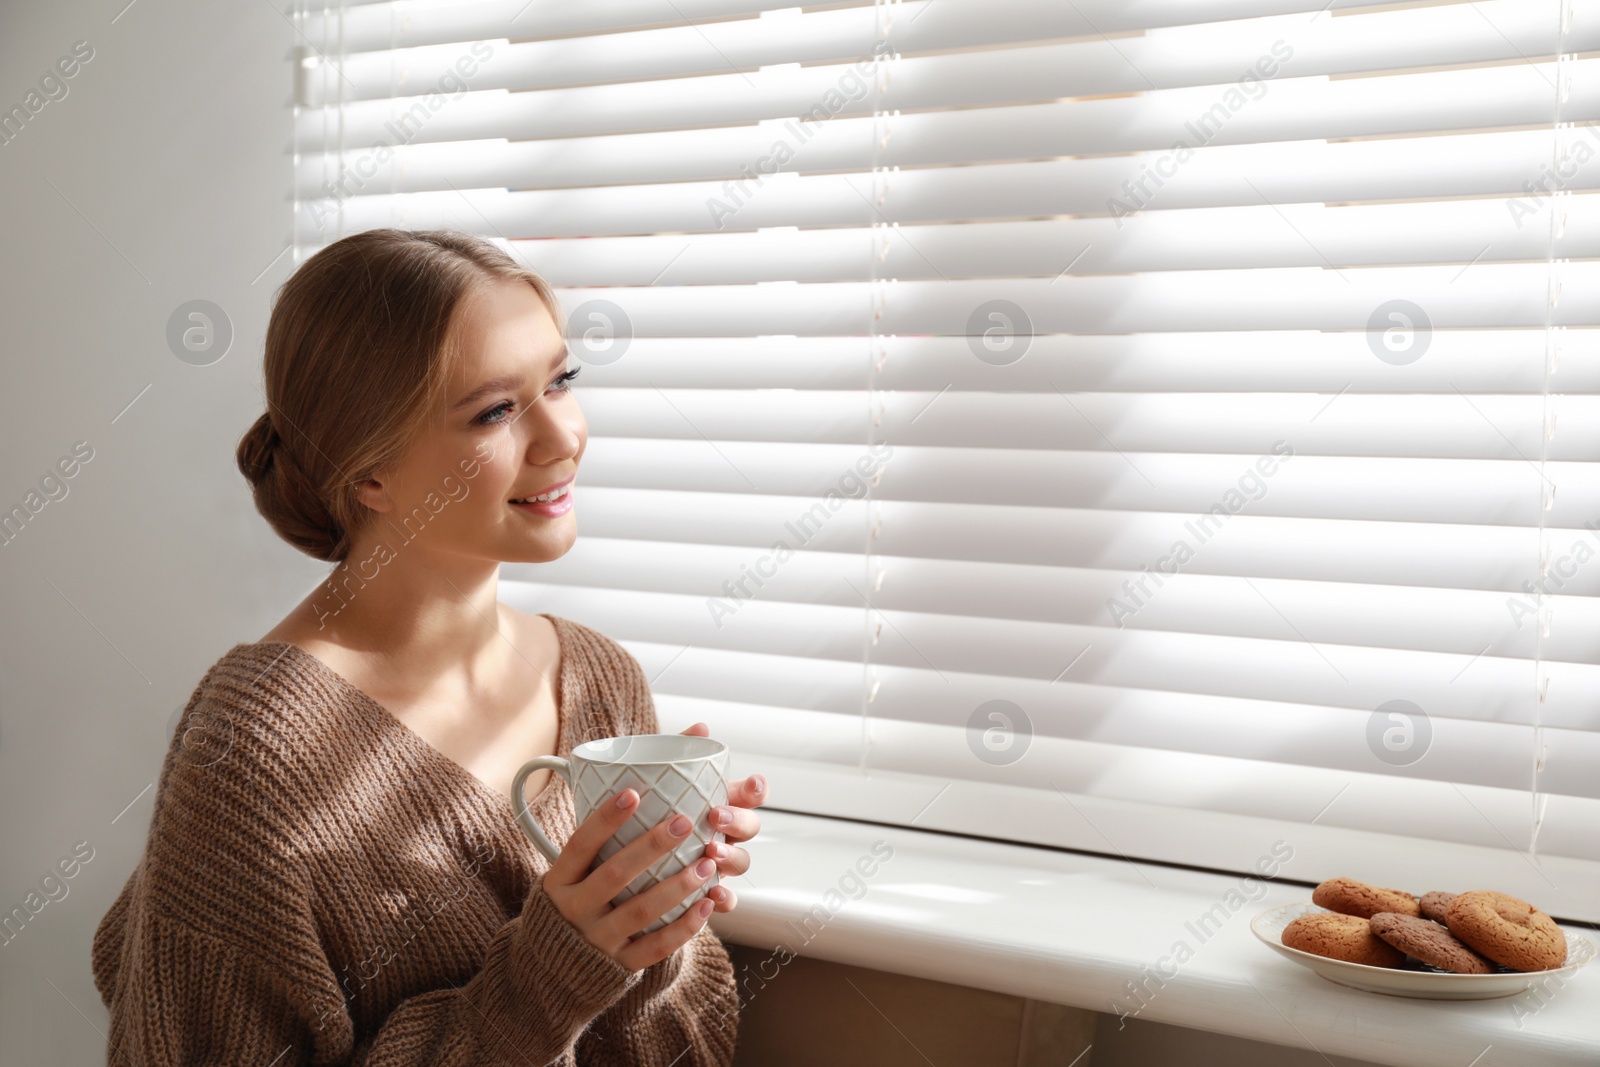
258,449
284,496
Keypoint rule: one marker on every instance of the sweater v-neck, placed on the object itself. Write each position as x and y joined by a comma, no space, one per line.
424,750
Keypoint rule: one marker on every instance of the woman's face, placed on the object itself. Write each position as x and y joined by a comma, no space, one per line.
509,429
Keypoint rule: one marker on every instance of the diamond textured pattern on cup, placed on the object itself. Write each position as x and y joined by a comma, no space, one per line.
661,790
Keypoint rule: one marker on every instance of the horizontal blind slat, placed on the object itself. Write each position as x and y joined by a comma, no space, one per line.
1507,96
1444,426
1482,492
1479,163
1489,295
1507,362
373,24
1492,31
1416,554
1288,235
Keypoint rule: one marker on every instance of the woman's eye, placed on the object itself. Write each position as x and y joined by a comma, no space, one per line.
562,384
494,414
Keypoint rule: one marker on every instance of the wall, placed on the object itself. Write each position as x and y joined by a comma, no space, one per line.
162,176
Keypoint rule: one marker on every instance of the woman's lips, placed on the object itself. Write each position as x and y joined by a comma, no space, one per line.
559,506
547,489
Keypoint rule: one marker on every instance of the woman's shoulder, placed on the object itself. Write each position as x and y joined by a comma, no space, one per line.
260,692
257,725
245,697
254,670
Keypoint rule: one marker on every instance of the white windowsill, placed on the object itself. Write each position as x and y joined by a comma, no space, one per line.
1073,929
1341,830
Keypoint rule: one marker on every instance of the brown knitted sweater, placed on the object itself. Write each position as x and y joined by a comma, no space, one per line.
322,886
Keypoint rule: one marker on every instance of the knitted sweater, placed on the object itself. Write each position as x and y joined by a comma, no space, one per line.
322,886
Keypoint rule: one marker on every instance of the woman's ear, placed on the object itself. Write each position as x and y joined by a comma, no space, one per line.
374,494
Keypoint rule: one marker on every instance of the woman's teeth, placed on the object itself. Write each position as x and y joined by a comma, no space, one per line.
547,498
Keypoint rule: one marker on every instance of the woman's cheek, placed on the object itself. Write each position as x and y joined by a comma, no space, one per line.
499,479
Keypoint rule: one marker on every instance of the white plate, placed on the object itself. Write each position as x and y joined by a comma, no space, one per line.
1403,982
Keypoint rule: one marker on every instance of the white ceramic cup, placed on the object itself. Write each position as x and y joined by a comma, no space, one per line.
670,772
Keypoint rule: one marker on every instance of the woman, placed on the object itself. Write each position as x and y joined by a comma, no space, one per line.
333,873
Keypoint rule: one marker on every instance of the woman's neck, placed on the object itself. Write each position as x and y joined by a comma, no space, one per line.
412,616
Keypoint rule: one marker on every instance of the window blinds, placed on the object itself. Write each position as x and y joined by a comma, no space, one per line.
1157,428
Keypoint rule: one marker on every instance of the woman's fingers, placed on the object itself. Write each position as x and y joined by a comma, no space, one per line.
731,859
640,910
656,946
578,854
748,792
725,898
736,824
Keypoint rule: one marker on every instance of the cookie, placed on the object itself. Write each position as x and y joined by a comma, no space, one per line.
1350,897
1429,942
1507,930
1341,937
1433,905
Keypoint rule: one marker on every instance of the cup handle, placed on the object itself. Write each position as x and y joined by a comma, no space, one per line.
519,801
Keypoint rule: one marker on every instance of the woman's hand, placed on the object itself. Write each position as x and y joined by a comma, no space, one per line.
742,824
584,896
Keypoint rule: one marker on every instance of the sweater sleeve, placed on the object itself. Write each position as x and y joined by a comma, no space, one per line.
685,1013
182,996
541,985
685,1010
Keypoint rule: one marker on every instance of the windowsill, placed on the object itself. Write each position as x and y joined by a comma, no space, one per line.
1074,929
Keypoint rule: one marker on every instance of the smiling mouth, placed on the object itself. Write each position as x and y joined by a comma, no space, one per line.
547,498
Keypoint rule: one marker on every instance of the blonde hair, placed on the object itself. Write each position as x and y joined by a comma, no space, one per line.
358,356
